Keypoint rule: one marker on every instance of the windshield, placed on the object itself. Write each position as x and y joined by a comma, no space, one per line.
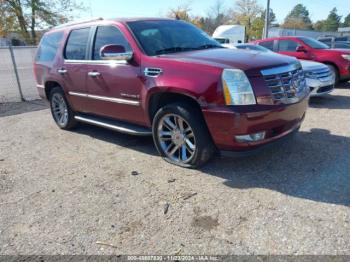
314,43
254,47
170,36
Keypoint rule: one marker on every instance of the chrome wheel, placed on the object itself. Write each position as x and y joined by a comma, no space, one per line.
59,109
176,138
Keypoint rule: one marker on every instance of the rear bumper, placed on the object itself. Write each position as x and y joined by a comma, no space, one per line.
41,91
225,123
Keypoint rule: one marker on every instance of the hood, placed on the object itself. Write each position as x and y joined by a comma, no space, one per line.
311,65
249,61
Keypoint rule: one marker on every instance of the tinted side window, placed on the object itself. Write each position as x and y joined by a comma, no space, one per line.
108,35
342,45
341,39
77,44
287,46
326,41
267,44
48,47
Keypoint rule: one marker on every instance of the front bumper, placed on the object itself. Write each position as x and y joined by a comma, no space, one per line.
320,88
277,121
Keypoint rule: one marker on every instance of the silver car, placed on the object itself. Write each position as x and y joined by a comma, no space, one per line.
319,77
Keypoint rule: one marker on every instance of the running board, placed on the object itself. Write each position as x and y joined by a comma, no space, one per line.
115,125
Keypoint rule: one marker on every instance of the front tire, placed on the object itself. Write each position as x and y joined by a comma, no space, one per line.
60,109
181,137
335,71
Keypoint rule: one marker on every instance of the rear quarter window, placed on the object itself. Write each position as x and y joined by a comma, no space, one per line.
267,44
48,47
77,43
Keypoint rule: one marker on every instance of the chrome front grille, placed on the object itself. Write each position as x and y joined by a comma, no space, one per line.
287,84
323,74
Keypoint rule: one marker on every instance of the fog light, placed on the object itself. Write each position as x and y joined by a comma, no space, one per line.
251,137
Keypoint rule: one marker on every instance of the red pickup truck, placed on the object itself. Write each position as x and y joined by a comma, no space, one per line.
168,79
308,48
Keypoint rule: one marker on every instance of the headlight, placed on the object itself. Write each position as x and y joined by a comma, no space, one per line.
346,57
309,74
237,88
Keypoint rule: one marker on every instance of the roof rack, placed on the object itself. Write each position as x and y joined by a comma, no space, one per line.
79,22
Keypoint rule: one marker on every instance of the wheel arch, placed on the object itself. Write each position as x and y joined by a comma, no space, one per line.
160,99
332,64
49,85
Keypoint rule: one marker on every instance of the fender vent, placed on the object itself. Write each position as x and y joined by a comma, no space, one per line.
153,72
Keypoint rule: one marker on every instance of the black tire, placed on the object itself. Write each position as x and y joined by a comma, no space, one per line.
193,120
69,121
335,72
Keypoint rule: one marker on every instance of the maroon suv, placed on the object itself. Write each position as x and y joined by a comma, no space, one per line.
169,79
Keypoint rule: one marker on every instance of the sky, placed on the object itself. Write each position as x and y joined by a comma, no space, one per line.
318,9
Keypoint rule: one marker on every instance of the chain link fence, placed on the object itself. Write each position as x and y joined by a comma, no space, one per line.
17,82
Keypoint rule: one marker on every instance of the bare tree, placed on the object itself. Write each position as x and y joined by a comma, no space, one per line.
7,21
245,13
33,15
217,15
180,12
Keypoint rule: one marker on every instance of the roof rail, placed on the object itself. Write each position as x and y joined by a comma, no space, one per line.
79,22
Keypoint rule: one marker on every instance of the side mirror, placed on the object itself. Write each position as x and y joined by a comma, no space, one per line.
115,52
301,48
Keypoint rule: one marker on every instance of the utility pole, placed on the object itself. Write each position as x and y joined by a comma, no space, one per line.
267,16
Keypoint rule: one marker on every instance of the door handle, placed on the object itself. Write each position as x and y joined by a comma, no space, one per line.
62,71
94,74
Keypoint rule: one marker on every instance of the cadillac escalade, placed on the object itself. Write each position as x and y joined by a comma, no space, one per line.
168,79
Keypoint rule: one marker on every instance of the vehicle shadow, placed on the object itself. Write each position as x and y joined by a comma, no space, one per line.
330,102
16,108
138,143
314,166
343,85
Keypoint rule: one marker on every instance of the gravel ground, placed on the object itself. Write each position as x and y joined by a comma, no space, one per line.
71,192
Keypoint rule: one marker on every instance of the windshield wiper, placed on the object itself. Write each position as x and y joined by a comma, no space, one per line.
207,46
181,49
173,50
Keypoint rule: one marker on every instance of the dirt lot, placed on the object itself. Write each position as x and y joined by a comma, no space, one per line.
66,192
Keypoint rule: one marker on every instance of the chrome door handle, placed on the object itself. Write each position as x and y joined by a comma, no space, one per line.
62,71
94,74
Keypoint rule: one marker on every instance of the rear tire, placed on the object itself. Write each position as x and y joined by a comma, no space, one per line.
61,110
181,135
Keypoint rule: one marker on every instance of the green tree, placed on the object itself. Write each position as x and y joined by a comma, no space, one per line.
346,21
298,18
245,13
257,28
272,16
33,15
319,25
333,21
